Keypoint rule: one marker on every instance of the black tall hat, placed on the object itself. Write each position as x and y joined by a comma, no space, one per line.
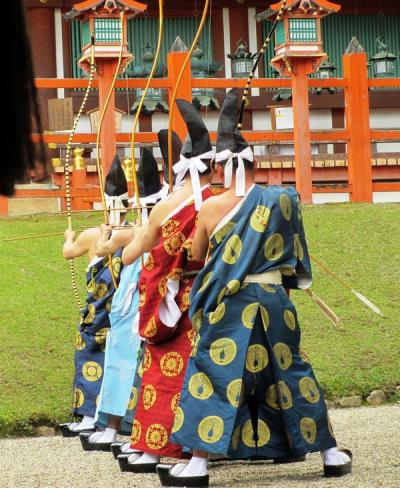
198,141
148,177
176,150
115,184
228,135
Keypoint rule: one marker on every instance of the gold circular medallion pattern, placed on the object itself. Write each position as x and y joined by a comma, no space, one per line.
249,314
204,283
134,399
289,318
78,399
171,364
274,247
234,391
200,386
287,270
185,301
267,288
223,351
195,345
140,369
174,243
283,355
108,304
147,360
285,396
91,286
233,287
149,396
210,429
264,317
151,329
100,291
271,397
197,319
101,335
149,264
257,358
156,436
309,389
286,206
236,437
224,231
162,286
308,429
298,248
92,371
216,316
142,295
175,402
91,314
79,342
259,218
233,249
136,431
169,227
179,419
264,434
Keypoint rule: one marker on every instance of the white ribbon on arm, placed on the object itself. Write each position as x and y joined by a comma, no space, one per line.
195,166
229,156
114,205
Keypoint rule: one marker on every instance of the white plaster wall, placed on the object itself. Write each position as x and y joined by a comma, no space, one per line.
330,197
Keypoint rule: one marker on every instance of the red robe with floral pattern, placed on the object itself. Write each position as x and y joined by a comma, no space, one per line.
167,277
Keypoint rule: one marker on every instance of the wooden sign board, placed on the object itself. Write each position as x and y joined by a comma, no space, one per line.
95,117
61,114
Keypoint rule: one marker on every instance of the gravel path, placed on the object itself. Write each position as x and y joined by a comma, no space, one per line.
373,434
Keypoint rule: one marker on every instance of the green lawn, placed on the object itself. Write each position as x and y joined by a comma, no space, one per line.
38,313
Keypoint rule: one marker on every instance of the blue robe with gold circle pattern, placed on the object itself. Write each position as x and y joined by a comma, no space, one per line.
92,333
248,391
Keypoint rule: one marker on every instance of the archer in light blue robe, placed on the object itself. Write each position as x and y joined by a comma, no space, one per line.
118,394
248,392
92,332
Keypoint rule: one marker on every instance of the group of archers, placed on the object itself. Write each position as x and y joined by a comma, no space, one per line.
196,354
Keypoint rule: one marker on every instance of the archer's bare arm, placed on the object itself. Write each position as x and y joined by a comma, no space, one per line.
84,244
200,240
119,238
146,238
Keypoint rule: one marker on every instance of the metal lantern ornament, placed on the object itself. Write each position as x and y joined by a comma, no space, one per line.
155,96
101,28
298,33
242,61
383,62
203,68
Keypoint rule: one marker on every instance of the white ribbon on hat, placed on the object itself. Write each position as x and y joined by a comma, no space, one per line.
149,200
228,156
114,205
195,165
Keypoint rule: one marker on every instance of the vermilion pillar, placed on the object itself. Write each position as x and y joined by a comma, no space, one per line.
175,62
301,120
108,137
357,123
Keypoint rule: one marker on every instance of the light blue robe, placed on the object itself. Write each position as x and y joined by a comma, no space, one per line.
118,396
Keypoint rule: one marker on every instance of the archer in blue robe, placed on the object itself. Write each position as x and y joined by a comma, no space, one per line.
92,332
118,394
248,392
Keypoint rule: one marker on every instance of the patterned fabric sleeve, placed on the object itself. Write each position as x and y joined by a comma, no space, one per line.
303,277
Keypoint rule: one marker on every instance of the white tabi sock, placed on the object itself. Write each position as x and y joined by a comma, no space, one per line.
104,436
197,466
333,457
126,448
95,436
145,458
86,423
